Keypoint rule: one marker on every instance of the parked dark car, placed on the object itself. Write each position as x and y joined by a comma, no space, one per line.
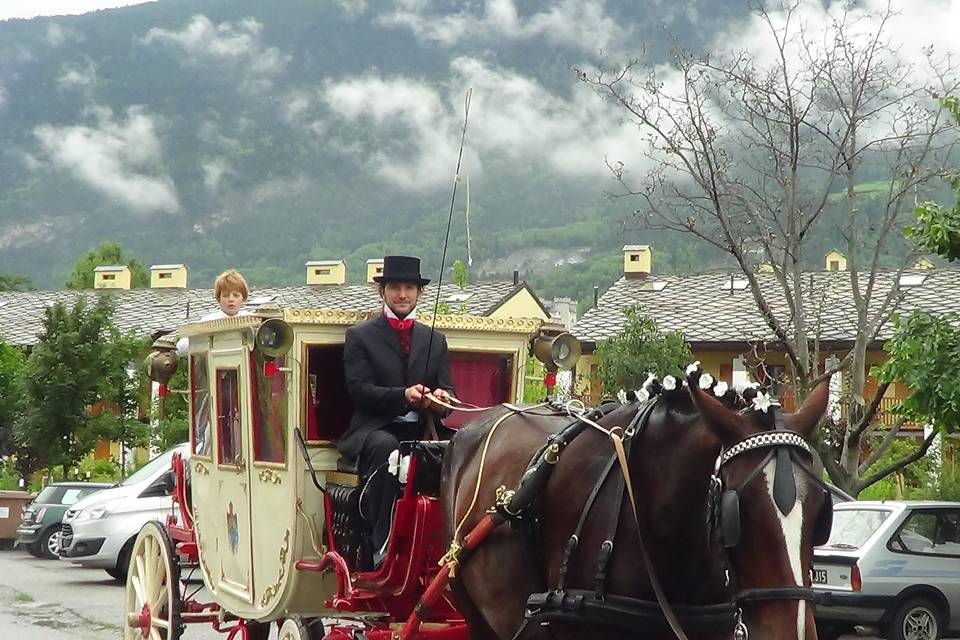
39,530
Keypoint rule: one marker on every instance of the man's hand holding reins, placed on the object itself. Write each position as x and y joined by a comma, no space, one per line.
415,396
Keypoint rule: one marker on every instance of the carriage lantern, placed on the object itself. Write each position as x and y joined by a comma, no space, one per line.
557,352
162,361
274,338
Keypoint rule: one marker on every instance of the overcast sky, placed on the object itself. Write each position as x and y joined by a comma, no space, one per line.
34,8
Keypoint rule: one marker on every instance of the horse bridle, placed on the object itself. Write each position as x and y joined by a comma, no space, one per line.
784,446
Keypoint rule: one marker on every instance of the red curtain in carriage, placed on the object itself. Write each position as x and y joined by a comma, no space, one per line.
482,379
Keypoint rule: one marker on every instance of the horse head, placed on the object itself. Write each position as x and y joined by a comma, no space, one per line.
770,509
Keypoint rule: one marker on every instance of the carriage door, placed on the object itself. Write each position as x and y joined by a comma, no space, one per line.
229,522
272,488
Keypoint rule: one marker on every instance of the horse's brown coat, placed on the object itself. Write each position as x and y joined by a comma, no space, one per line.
671,464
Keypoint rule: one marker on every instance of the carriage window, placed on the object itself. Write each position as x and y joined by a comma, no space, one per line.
228,416
482,379
199,404
269,408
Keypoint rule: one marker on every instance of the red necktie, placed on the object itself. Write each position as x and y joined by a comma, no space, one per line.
404,329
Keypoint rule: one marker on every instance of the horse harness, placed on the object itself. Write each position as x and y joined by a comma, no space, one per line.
521,507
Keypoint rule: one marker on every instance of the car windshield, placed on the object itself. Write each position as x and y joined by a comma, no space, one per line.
853,527
147,470
47,496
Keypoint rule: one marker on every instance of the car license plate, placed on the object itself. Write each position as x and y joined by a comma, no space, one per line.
819,576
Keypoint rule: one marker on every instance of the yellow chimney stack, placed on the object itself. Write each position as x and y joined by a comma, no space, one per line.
374,268
327,272
168,276
116,276
835,261
637,259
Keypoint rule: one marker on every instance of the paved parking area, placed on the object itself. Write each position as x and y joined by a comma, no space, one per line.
57,600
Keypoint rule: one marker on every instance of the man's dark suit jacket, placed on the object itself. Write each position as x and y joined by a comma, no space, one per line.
377,372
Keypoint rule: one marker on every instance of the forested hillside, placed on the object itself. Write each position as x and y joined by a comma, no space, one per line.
260,135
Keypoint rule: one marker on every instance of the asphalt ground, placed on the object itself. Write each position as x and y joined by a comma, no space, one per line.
58,600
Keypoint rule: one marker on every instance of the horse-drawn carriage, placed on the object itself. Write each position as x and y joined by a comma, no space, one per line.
689,507
265,508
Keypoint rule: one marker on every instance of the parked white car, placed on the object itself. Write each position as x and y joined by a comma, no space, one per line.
98,531
892,565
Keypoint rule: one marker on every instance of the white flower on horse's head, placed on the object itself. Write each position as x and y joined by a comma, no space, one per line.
762,402
650,380
693,367
706,381
721,389
622,396
669,383
404,469
393,462
642,394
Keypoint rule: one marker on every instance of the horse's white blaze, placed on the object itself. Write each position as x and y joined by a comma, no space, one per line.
791,525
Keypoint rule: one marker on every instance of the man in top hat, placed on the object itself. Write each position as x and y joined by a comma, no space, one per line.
388,372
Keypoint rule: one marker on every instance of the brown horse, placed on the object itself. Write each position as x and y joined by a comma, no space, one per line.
672,462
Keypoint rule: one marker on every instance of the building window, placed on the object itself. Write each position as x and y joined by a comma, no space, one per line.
228,417
199,405
164,275
109,276
321,272
634,257
269,408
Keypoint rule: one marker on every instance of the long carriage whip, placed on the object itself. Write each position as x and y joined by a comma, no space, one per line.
446,238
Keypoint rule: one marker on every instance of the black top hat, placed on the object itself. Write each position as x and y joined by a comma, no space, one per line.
401,269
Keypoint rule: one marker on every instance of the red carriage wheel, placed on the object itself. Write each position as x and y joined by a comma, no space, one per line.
153,587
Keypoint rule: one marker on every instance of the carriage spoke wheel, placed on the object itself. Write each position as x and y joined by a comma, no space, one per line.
297,628
153,587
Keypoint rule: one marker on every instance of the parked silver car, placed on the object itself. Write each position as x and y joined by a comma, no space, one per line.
891,565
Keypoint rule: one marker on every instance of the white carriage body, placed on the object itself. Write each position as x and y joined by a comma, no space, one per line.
256,511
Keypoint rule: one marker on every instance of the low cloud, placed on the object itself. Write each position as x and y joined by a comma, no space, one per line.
512,116
214,171
580,24
78,75
236,45
57,35
119,158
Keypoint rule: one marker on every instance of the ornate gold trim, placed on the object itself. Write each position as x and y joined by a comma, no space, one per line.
216,326
201,468
463,322
274,589
269,475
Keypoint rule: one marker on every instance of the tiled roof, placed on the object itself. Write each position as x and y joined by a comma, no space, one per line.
148,310
706,310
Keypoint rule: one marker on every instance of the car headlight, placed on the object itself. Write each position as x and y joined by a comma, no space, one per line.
93,513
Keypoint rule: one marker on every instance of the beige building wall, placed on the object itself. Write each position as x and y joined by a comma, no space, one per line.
520,305
112,277
168,276
327,272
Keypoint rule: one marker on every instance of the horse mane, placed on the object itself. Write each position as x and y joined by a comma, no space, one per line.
674,390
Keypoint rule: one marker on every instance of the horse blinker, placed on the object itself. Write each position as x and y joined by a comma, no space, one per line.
729,519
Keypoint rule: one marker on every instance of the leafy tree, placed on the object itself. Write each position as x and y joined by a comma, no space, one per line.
171,424
62,383
938,228
12,282
108,253
11,363
121,389
756,153
460,275
625,359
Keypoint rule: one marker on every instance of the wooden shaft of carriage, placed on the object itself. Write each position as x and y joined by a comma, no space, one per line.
440,581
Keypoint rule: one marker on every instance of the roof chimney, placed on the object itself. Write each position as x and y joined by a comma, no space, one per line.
114,276
516,277
637,259
596,295
835,261
168,276
327,272
374,268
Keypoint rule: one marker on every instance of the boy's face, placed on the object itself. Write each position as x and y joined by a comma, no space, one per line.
401,297
230,302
